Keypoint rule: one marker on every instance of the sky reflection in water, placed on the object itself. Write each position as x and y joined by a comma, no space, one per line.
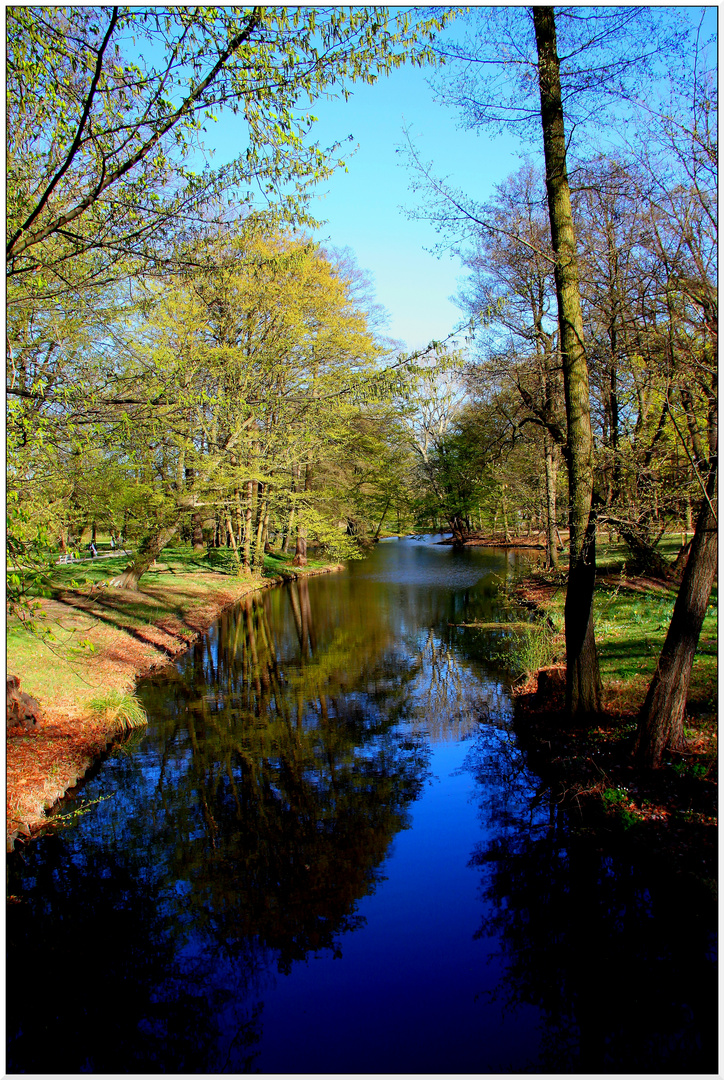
326,855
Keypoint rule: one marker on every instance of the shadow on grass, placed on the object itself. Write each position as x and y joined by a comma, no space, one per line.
124,619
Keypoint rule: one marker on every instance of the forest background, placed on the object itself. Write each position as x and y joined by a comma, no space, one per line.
186,360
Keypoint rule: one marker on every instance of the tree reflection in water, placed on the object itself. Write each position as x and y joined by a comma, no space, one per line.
242,835
618,958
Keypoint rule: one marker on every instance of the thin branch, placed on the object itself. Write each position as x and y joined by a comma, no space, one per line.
691,460
253,23
76,141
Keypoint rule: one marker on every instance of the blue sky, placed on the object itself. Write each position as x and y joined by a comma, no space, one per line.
365,207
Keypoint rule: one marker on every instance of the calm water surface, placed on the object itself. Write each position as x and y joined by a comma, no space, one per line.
326,855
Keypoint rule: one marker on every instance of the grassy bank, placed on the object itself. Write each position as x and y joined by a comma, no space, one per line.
97,641
632,615
670,812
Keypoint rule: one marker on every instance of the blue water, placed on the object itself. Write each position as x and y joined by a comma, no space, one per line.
327,854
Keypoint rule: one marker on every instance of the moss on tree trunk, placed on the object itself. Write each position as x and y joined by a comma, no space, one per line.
661,722
148,551
582,679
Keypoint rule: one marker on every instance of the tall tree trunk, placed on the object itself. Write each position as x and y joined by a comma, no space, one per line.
583,688
247,525
689,518
207,529
148,551
551,471
661,722
260,529
238,517
379,527
232,541
458,530
237,512
300,554
197,532
288,532
292,512
505,520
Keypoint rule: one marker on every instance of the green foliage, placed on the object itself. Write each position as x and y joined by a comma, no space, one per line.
689,768
223,560
617,800
130,402
104,143
614,796
30,559
330,537
631,625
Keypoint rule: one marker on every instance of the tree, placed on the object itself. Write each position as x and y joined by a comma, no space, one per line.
688,128
101,154
605,52
108,184
661,722
442,459
511,279
583,683
251,365
645,337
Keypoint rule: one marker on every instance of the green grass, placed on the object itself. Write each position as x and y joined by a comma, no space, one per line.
613,557
120,708
173,561
59,668
53,671
275,563
631,627
535,648
610,558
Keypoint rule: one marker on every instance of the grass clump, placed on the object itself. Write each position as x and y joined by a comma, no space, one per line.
120,708
533,649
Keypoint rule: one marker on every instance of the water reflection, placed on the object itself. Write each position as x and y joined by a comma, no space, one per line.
617,956
279,876
239,838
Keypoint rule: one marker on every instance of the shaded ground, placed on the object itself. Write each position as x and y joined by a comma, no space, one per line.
103,639
499,540
668,813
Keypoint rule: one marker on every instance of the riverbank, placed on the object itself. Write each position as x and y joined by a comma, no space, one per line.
499,540
101,641
668,814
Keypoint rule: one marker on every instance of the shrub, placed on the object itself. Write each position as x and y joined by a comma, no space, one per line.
223,560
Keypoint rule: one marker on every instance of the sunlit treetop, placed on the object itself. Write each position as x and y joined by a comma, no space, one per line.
107,109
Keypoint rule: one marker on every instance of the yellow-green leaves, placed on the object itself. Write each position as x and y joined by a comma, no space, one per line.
104,107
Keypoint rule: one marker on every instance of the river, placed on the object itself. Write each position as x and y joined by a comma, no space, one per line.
326,854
